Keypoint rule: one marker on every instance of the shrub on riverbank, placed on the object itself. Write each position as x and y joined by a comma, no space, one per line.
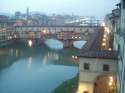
68,86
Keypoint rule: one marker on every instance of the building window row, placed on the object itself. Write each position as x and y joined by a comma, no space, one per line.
105,67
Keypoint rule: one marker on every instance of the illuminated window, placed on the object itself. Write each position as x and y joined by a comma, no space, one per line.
86,66
105,67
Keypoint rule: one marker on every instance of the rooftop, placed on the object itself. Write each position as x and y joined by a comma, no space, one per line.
92,48
99,54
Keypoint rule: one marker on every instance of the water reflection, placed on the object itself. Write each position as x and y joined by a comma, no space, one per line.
29,62
11,51
50,56
46,69
17,52
45,59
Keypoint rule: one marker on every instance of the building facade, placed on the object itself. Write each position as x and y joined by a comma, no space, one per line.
6,30
120,46
118,29
94,64
3,28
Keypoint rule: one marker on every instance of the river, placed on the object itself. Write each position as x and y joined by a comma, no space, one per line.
35,69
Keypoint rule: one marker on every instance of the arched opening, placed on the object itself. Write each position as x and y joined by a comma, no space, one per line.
105,84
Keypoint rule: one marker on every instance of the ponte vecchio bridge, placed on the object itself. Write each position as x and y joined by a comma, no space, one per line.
66,34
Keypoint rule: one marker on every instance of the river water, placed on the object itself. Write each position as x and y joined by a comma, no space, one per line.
35,69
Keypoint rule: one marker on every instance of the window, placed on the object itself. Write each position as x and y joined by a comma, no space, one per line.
86,66
105,67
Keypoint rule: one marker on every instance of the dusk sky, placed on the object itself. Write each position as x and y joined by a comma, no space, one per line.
98,8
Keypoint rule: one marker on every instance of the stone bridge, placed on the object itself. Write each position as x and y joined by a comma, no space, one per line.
66,34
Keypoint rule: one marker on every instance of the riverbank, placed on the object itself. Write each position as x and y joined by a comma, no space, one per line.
69,86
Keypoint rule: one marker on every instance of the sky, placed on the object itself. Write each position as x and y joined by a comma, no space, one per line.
98,8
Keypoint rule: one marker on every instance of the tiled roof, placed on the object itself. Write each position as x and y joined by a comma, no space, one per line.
92,48
93,42
99,54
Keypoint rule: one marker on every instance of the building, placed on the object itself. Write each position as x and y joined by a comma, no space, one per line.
93,65
118,28
96,61
119,45
6,28
3,28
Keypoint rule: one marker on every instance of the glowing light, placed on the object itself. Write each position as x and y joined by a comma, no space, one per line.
110,49
30,43
103,44
44,31
107,30
9,37
110,83
79,37
104,39
104,36
73,57
72,37
82,87
75,37
111,79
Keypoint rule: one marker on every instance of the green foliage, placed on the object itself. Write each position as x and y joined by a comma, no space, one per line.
68,86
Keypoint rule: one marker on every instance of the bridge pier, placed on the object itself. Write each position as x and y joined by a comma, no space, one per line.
67,43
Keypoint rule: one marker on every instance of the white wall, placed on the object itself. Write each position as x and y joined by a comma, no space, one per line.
88,77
